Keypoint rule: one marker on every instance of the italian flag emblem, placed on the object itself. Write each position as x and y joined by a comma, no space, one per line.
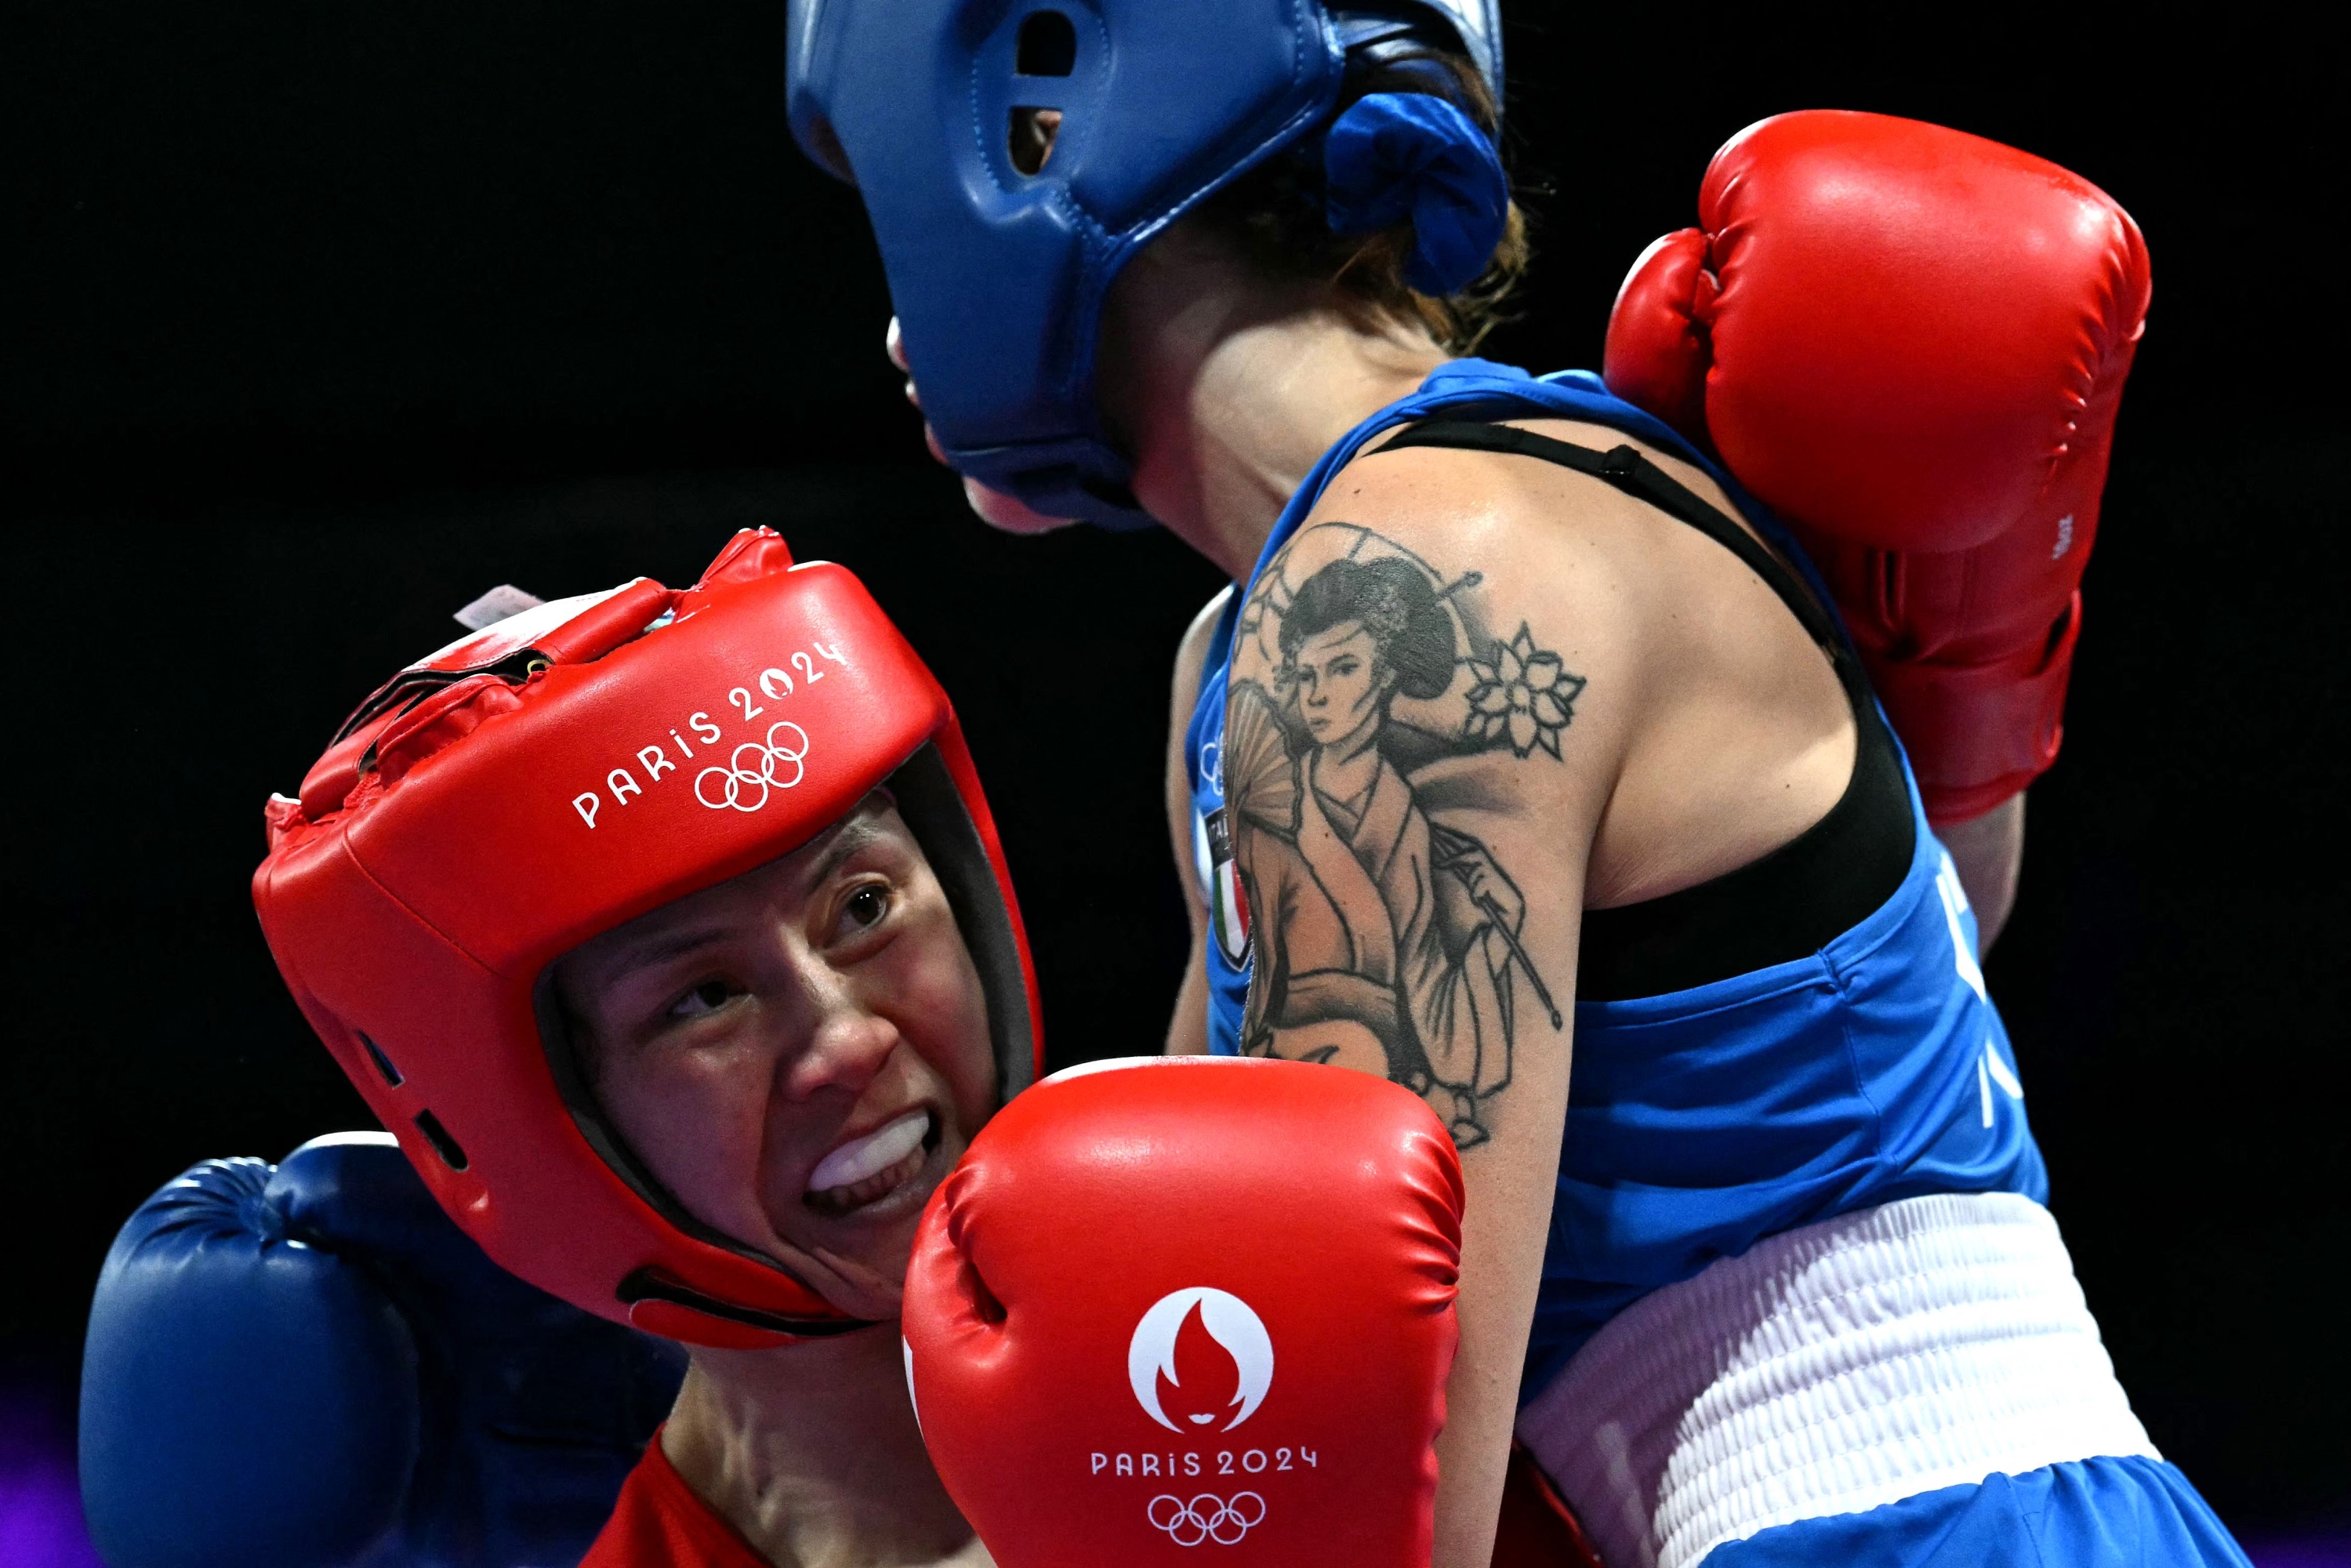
1228,905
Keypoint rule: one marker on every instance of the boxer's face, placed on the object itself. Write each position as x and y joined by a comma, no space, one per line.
798,1055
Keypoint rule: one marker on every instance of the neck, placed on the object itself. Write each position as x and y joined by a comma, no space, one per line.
811,1452
1228,391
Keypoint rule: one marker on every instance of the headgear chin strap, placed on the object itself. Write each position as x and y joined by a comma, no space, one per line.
998,272
558,774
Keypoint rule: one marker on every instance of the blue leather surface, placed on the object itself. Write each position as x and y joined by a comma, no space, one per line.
999,276
309,1364
2108,1512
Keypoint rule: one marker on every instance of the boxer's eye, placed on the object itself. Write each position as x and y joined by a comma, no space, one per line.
705,998
864,908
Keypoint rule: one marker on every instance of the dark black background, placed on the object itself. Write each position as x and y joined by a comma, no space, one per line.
319,318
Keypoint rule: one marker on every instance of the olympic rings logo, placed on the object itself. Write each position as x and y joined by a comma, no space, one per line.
736,779
1206,1518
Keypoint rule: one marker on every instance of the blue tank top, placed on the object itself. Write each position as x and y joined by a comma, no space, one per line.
1702,1120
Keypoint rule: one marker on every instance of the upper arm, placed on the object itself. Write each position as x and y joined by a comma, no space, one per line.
1187,1032
1424,729
1426,724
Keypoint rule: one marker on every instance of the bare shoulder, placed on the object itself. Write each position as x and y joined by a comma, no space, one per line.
1519,545
1444,465
1509,611
1582,535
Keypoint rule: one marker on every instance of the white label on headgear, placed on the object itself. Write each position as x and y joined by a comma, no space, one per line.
499,603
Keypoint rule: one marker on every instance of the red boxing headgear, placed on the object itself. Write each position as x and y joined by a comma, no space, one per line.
550,778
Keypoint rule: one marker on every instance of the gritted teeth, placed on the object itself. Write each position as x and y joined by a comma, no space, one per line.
876,1151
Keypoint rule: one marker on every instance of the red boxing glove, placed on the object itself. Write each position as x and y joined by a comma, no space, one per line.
1910,343
1195,1300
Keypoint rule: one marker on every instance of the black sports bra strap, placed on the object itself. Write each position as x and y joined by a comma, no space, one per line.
1627,469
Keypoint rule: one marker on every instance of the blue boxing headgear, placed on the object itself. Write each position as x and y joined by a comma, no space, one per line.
999,276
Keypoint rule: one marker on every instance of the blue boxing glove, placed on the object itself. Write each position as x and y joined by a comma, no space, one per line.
310,1365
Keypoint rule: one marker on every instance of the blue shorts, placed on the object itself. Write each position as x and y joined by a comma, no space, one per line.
2132,1513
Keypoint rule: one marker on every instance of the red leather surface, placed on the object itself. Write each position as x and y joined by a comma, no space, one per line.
1913,349
1328,1202
507,822
1657,346
516,784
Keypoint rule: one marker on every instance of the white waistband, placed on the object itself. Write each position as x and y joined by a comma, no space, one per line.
1871,1357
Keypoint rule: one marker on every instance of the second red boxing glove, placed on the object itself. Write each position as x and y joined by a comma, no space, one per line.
1911,344
1191,1302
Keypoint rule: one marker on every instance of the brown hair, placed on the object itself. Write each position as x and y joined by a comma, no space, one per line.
1273,215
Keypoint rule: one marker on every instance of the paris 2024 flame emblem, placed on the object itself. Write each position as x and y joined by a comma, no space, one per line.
1200,1356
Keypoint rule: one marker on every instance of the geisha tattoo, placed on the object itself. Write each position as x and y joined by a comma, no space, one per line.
1367,702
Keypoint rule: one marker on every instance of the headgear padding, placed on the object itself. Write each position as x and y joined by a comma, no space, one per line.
556,774
998,272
